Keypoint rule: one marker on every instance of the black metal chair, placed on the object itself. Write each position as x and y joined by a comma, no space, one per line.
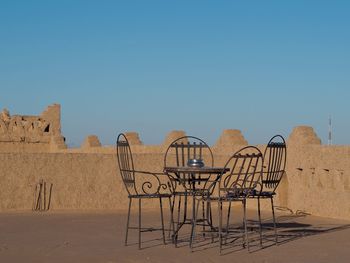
241,182
178,154
275,156
140,185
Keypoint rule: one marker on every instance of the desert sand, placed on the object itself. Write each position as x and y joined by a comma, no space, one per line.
61,236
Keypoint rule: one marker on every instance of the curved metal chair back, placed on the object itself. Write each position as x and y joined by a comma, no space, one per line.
275,157
126,163
245,173
181,150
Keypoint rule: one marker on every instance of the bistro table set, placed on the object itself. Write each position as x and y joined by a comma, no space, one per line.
192,184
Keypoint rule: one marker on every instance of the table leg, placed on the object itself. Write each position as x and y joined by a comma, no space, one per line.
195,209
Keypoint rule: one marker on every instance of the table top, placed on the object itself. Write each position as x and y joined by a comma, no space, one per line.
198,170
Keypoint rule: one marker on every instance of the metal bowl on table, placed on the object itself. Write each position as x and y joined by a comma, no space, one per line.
195,163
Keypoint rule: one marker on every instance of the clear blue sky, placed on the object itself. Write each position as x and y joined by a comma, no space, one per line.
263,67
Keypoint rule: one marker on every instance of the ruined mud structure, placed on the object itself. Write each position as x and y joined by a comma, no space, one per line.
32,150
31,133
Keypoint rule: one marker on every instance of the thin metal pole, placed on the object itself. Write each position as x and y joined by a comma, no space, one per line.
38,206
139,223
178,221
171,225
203,215
330,130
193,219
49,204
245,223
195,223
127,223
274,220
260,226
162,218
228,220
185,208
210,214
35,198
220,225
44,196
210,220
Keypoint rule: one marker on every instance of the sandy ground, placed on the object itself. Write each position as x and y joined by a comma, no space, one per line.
99,237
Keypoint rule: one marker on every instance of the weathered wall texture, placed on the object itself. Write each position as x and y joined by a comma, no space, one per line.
317,179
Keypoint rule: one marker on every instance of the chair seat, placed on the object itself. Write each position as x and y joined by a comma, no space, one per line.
227,198
199,192
267,193
150,196
263,194
182,193
231,196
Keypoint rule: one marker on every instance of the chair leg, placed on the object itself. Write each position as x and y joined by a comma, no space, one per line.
207,213
185,208
274,220
178,221
210,220
203,218
171,224
194,220
260,225
220,225
245,222
162,218
139,223
210,214
127,223
228,220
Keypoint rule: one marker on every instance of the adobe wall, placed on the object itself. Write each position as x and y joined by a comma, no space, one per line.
83,178
317,178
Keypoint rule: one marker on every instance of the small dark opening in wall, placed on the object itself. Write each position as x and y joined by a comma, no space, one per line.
47,128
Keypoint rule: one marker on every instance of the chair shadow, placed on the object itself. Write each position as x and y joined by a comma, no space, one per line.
288,230
149,243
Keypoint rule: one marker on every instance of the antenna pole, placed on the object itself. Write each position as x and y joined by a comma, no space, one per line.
330,130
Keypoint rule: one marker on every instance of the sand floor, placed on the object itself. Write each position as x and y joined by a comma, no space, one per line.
99,237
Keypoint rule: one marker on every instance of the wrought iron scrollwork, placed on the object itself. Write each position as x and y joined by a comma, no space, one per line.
151,183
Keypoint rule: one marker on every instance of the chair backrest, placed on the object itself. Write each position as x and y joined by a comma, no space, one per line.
126,163
245,173
181,150
275,157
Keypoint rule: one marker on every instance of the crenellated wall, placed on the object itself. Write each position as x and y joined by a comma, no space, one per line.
317,179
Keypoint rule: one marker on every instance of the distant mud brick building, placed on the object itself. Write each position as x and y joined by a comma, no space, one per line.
23,133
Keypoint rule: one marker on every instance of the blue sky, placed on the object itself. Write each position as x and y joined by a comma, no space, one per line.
263,67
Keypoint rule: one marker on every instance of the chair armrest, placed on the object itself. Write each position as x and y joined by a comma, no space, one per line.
147,172
152,183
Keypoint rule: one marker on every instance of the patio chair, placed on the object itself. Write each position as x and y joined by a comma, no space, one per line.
242,181
140,185
275,156
178,154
